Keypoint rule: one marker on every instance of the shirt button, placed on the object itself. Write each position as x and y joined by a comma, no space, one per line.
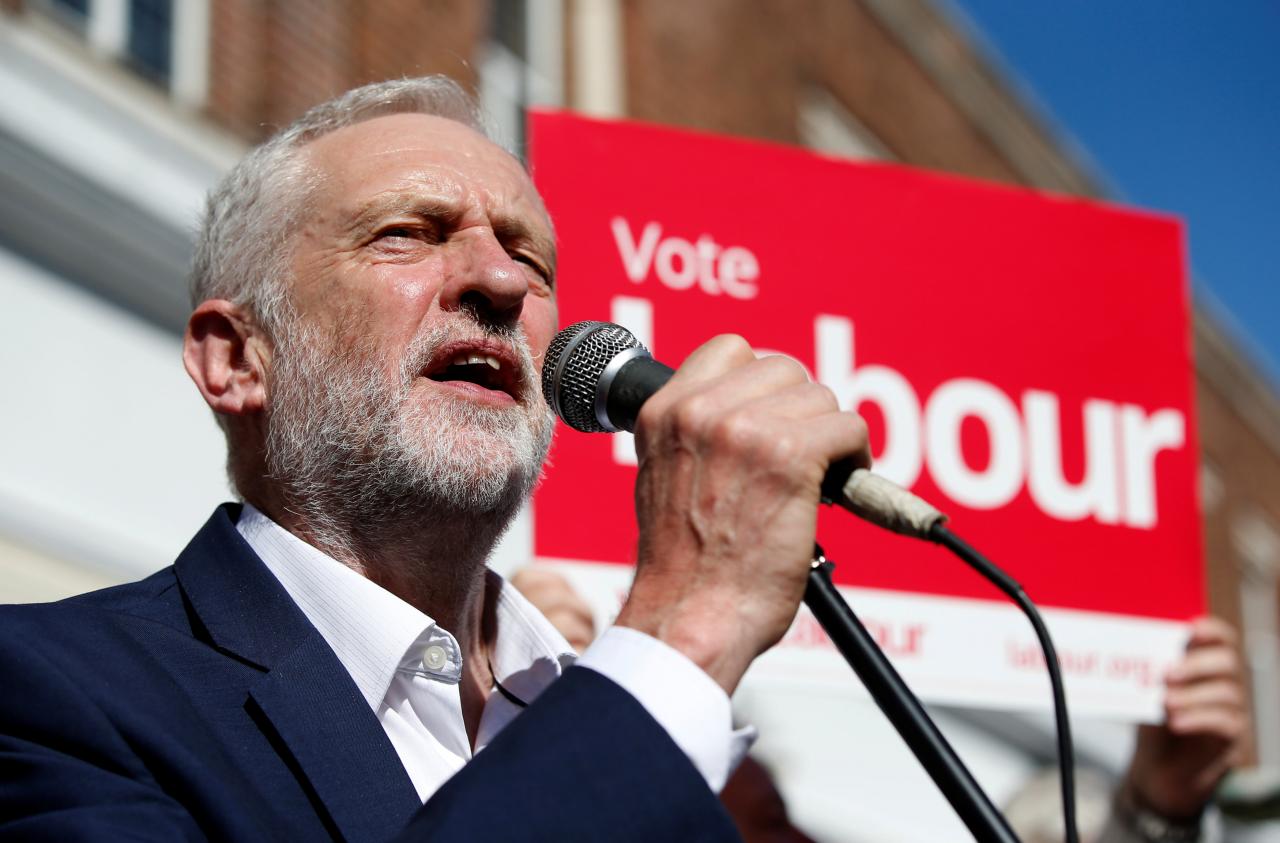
434,657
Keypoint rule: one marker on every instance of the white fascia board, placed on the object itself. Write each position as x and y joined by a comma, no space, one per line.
109,26
191,34
98,121
598,58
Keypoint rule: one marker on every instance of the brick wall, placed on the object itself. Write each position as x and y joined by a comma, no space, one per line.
1248,468
270,61
724,67
1240,439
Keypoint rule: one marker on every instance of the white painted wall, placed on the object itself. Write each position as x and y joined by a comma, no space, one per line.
108,456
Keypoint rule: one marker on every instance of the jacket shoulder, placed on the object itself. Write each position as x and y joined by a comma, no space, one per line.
155,599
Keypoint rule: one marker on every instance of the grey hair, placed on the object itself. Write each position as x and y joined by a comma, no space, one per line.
243,247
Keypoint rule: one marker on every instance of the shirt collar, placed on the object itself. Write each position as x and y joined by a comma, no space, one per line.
374,633
529,653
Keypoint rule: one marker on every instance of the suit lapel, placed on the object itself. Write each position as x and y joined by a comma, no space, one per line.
318,714
306,697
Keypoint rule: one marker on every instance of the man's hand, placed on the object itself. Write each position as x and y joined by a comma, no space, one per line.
1177,765
732,454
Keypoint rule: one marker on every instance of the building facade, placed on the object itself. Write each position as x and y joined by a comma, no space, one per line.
117,115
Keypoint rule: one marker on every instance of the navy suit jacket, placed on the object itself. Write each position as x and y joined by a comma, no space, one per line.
200,703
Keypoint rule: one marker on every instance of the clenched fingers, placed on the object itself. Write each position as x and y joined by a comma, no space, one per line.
1209,631
718,376
1226,725
1204,663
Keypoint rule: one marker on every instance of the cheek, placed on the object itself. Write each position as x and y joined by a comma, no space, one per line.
315,274
411,290
540,319
401,297
386,306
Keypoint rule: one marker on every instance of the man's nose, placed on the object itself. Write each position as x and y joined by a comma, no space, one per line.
486,280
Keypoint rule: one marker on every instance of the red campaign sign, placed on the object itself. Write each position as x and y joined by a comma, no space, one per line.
1022,359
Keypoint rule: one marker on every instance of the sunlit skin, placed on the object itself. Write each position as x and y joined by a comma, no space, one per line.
416,215
417,218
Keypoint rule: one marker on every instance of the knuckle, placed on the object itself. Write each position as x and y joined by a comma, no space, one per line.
690,417
765,446
734,347
785,449
787,367
827,395
1223,630
735,431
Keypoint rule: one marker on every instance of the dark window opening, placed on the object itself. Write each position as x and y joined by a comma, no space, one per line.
70,13
151,37
508,26
78,7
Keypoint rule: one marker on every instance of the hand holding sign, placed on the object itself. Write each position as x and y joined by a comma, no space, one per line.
1177,765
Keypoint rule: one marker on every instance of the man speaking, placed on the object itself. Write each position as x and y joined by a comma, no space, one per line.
375,291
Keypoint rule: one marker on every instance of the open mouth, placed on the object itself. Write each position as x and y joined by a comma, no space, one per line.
477,368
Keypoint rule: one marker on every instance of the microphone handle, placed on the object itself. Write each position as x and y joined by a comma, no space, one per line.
879,501
638,378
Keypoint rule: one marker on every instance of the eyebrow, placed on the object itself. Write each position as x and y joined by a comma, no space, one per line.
507,229
369,213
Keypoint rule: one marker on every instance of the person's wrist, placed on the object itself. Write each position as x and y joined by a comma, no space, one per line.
1150,824
708,643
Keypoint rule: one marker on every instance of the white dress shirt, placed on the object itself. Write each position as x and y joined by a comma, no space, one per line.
408,668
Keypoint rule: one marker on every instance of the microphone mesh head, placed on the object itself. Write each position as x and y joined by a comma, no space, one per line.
575,360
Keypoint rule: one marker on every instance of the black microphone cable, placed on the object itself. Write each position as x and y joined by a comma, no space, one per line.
1066,754
887,505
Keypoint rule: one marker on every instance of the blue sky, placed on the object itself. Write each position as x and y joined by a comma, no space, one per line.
1177,104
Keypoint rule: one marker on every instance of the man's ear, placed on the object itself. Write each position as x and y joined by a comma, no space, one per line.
227,356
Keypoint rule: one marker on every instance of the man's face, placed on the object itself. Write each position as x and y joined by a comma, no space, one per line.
422,282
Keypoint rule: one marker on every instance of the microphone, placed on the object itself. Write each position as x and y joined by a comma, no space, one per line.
597,376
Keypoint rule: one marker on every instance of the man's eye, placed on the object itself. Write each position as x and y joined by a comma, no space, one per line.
409,232
536,265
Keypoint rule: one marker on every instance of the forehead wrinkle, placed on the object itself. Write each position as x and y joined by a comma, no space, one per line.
450,188
404,199
409,197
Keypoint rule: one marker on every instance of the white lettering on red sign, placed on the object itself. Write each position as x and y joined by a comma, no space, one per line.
681,264
1024,438
1121,444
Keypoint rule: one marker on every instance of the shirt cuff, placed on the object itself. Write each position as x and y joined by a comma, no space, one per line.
685,701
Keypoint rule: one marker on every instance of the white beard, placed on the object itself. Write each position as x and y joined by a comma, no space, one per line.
359,458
